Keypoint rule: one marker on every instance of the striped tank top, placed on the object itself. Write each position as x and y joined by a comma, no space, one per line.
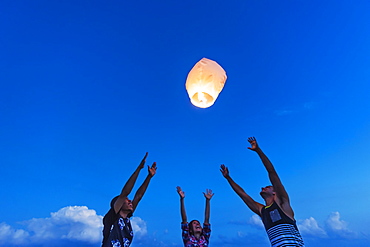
281,230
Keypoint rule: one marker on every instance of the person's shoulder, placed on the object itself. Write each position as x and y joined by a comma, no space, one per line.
206,228
110,216
185,226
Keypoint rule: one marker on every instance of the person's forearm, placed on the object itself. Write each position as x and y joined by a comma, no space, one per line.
235,186
182,210
142,189
254,206
207,212
126,190
273,176
266,162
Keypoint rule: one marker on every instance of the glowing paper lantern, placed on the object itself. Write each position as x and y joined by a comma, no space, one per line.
205,82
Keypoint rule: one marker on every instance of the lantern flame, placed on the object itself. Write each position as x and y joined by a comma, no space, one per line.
202,98
204,83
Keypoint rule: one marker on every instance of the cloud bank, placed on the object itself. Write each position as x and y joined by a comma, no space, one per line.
334,226
80,226
72,224
333,231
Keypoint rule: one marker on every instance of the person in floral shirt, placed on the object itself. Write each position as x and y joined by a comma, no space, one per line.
117,231
193,234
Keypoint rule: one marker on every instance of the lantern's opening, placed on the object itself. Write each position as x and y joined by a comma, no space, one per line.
202,99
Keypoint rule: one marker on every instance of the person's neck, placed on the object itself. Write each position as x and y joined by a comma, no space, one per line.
197,235
123,214
269,200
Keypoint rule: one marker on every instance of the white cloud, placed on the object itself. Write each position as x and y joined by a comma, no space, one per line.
311,227
255,220
75,223
139,227
333,228
69,223
335,223
82,225
10,235
338,226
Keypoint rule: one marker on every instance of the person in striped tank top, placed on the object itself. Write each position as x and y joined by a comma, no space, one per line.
277,214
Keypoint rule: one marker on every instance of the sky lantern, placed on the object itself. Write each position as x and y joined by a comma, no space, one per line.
205,82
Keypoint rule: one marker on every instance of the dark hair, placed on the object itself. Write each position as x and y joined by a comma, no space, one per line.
112,205
191,227
113,201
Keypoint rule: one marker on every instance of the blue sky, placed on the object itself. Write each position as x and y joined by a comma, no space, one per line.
87,87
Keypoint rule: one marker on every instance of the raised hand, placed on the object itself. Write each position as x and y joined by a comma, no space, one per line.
180,192
142,163
254,144
225,171
152,170
208,195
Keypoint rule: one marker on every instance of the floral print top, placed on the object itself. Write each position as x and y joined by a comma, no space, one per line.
191,241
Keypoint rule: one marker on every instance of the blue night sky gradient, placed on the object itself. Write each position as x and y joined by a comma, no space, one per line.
87,87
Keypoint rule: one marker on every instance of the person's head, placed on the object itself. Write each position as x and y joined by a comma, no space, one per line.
267,191
127,206
195,227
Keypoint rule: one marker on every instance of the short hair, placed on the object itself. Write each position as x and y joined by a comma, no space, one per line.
113,201
273,189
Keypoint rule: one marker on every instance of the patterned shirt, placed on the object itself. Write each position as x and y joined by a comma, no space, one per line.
191,241
117,231
281,230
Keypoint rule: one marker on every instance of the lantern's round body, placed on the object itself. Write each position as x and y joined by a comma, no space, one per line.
205,82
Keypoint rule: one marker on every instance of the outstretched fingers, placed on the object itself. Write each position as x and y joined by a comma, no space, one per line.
143,160
224,170
252,140
180,192
208,195
153,169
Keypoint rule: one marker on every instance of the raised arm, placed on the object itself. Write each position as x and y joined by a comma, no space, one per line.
281,194
208,195
252,204
181,193
273,176
141,191
126,190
